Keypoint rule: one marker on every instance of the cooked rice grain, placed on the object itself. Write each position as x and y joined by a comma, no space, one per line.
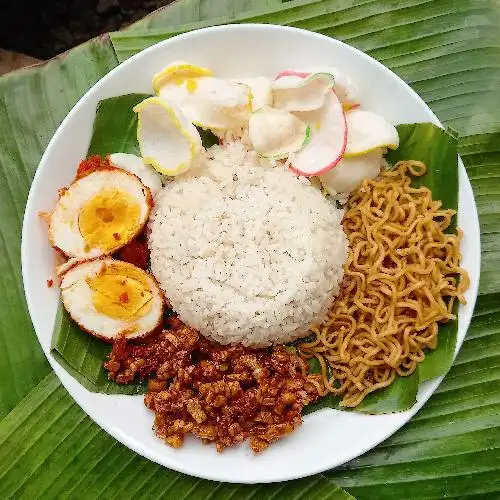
246,254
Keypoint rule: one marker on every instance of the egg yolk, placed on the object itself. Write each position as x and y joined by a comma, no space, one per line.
109,219
121,292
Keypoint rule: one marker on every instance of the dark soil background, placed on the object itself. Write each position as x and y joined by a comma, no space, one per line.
48,27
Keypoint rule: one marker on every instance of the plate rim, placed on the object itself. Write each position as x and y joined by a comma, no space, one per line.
465,189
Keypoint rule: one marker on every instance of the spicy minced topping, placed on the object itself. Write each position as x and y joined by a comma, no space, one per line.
221,394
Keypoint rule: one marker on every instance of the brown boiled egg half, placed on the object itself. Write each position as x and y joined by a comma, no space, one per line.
99,213
109,298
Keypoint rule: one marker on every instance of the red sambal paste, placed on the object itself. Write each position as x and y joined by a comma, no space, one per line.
136,252
92,164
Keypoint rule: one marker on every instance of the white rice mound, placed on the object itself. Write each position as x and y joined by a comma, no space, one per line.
246,254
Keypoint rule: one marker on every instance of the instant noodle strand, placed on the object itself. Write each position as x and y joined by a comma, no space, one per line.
402,277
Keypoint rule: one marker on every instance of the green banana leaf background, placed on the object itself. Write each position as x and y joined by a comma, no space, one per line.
449,52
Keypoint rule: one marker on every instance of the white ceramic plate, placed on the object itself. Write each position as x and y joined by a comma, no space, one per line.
328,438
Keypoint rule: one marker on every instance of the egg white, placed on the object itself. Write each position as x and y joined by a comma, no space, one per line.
64,231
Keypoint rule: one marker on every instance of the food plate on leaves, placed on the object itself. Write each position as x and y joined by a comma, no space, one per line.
319,133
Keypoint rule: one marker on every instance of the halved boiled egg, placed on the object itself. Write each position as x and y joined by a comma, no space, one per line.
99,213
109,298
210,103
